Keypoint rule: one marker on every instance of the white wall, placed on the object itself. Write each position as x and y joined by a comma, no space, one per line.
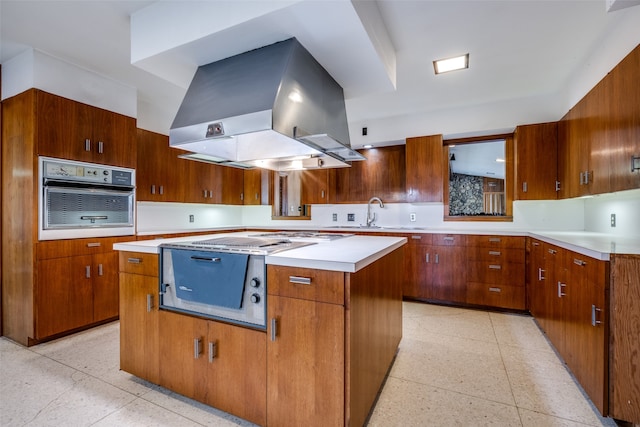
35,69
625,205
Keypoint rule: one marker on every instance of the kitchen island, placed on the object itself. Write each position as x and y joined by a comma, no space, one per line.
334,322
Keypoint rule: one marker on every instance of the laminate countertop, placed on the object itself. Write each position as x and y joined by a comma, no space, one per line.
347,254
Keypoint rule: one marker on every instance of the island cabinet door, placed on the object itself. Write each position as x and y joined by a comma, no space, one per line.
305,363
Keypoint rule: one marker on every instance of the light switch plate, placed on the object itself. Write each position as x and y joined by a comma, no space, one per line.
191,218
351,217
335,216
613,220
412,217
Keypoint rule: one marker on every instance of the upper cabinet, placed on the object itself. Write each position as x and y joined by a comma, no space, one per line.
256,187
381,175
599,137
424,169
536,158
231,185
314,187
71,130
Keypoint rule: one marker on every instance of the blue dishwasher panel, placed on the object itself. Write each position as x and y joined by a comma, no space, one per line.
210,277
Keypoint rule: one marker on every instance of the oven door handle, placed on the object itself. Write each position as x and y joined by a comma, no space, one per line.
204,258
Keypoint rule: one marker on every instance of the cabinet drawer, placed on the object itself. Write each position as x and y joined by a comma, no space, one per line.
449,239
502,296
306,283
515,242
139,263
495,255
496,273
73,247
419,239
587,267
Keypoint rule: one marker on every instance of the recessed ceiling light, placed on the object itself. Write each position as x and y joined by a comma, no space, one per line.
451,64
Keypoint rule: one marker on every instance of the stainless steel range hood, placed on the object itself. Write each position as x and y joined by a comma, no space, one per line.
267,107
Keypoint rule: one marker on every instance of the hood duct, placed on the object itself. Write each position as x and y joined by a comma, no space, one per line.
267,107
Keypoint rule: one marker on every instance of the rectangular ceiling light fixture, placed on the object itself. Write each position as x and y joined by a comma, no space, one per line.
451,64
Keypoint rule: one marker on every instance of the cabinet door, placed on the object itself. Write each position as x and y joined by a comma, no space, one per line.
305,363
253,187
586,325
315,187
113,138
160,174
203,184
555,291
448,281
536,171
418,267
57,133
184,359
231,185
236,371
535,277
64,295
139,326
424,169
104,272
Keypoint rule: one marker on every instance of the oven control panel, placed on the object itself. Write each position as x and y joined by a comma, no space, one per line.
85,173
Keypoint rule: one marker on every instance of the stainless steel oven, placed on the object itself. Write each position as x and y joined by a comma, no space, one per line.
222,278
78,199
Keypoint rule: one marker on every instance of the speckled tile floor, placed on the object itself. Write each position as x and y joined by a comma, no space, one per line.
455,367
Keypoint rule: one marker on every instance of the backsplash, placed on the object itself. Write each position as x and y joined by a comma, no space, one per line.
581,214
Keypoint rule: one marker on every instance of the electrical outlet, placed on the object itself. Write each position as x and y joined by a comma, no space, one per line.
351,217
613,220
412,217
192,218
335,216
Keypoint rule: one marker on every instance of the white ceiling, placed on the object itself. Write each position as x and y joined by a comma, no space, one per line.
524,55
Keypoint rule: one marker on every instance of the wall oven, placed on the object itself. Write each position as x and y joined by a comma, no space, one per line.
79,199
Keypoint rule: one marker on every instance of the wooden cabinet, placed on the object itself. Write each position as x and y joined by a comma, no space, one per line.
76,285
536,158
417,267
161,176
139,319
598,137
424,169
568,300
215,363
76,131
347,326
256,187
202,183
381,175
306,329
231,185
314,187
624,380
496,271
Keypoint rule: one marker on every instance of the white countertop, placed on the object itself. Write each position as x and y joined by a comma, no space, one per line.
596,245
348,254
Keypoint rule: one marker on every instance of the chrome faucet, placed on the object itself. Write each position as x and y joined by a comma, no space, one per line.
372,218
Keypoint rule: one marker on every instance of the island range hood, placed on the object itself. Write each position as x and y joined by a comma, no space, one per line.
274,107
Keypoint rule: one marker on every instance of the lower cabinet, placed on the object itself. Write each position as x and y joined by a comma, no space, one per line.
76,285
139,334
215,363
466,269
568,299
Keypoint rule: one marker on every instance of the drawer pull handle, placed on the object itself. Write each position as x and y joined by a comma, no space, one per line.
498,290
495,239
149,303
274,328
552,251
495,267
197,348
213,349
541,274
579,262
300,280
594,320
560,286
87,144
496,253
205,258
134,260
416,237
426,257
448,239
100,272
87,271
100,147
93,245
